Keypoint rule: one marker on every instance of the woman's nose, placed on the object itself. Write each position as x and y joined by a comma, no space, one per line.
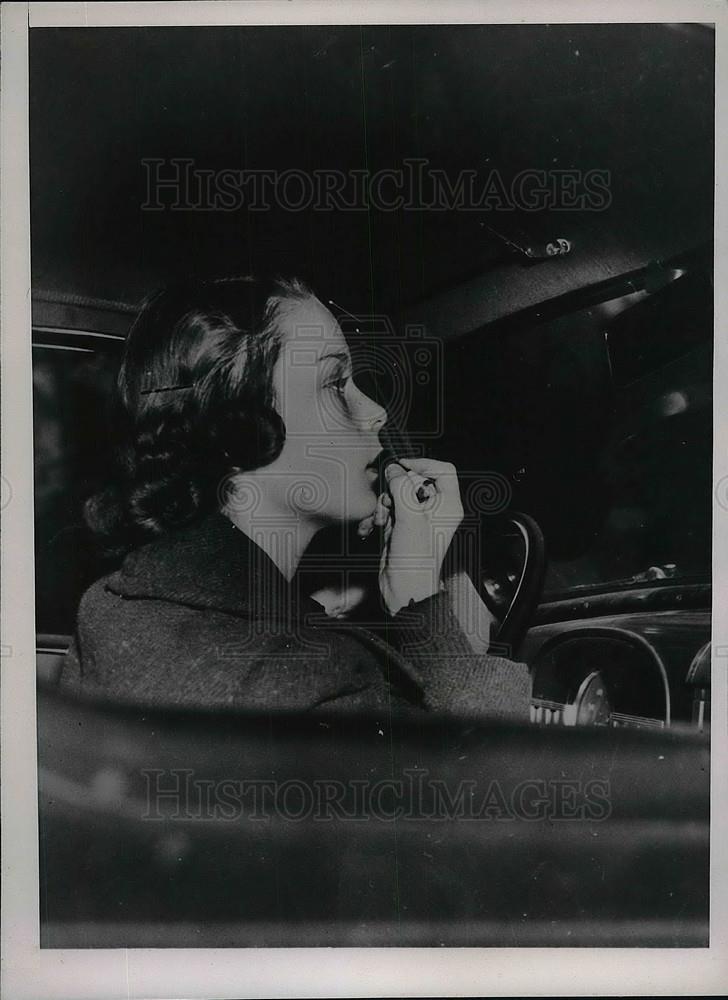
380,418
372,416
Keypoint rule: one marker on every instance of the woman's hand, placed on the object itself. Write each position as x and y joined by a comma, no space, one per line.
417,534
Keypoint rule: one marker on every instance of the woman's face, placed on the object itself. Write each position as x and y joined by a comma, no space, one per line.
324,471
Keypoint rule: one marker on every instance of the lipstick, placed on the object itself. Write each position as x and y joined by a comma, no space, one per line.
425,488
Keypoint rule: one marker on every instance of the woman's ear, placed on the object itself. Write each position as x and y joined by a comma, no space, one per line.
246,434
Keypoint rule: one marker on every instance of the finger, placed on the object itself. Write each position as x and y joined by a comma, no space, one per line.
443,475
394,471
426,490
365,527
397,478
403,489
425,487
381,513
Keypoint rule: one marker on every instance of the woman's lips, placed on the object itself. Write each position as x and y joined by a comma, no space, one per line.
382,459
375,470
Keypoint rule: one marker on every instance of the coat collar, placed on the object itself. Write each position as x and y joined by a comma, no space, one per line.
214,566
211,564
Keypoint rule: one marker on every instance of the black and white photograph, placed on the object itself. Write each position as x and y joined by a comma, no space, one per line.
373,494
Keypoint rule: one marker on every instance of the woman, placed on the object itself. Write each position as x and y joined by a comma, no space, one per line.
244,435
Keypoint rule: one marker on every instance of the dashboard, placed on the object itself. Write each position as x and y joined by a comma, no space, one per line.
645,670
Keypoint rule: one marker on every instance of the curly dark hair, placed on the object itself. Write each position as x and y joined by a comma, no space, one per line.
194,404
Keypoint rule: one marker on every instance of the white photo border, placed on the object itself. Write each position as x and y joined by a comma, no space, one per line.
28,971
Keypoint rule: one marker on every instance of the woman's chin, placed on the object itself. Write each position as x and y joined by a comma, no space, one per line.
361,508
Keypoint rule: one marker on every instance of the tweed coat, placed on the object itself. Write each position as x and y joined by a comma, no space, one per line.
202,617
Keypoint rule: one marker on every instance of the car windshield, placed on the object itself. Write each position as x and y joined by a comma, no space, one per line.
653,479
607,439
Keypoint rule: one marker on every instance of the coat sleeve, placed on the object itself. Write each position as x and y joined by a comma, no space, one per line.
455,678
156,653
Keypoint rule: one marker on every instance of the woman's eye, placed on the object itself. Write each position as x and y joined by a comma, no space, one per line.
339,385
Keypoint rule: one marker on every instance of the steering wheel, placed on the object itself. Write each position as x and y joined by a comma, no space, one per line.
511,580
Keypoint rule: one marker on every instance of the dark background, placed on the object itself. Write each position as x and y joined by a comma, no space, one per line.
636,100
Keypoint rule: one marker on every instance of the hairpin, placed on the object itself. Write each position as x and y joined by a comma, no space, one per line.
166,388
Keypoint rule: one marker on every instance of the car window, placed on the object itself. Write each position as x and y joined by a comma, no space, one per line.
71,390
